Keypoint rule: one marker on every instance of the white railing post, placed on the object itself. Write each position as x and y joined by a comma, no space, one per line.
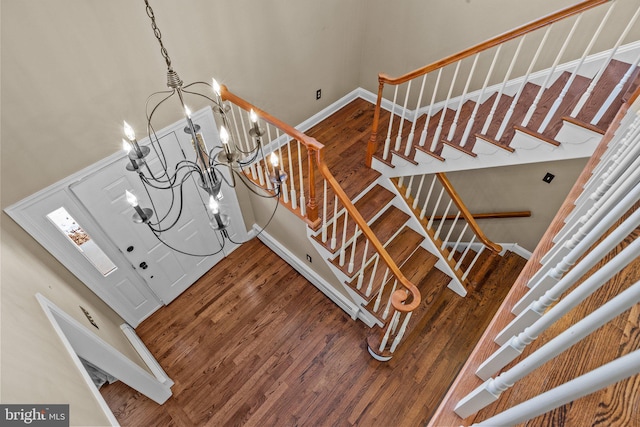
417,196
407,149
569,82
454,125
587,94
436,136
423,135
541,299
516,345
292,180
472,119
404,113
491,390
387,141
617,370
615,92
487,122
423,212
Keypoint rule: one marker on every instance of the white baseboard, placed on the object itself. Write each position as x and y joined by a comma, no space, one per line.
325,287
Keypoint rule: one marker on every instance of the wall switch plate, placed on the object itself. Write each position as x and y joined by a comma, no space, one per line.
548,178
318,94
309,258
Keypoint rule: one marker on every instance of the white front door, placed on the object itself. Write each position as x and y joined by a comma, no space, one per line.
188,247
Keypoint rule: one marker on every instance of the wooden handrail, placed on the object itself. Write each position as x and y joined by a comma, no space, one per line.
494,247
489,215
495,41
505,37
403,301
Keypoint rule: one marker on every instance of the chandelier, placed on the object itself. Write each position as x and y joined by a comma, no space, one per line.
203,167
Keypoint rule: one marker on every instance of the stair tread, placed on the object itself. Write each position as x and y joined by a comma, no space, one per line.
368,205
399,248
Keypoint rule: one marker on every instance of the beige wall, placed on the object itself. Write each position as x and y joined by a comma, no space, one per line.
73,69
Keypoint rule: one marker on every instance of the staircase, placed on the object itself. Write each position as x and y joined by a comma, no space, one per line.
390,227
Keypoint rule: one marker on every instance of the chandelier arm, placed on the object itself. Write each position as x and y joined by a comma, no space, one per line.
250,185
184,252
155,209
173,197
273,214
200,94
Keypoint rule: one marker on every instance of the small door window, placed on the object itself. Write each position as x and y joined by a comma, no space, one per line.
68,226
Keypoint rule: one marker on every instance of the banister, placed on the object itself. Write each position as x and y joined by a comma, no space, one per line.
494,247
488,44
489,215
399,297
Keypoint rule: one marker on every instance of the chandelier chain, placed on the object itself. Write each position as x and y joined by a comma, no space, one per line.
158,34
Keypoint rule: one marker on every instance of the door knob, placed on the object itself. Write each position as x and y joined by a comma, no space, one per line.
130,249
143,265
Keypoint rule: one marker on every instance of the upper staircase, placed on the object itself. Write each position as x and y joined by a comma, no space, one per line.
389,224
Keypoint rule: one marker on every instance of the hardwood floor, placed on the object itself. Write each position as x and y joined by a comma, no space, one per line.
253,343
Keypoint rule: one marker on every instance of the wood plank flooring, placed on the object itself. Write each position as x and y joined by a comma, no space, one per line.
253,343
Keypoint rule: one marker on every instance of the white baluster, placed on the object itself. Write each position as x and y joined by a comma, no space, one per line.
373,275
491,390
558,101
408,192
516,345
423,135
404,112
415,200
324,212
453,226
489,119
435,208
335,222
247,139
401,333
525,80
443,220
615,92
388,307
464,254
376,305
580,228
473,262
617,370
353,251
343,248
436,136
587,94
426,201
550,74
385,339
303,203
285,190
292,180
472,119
551,286
455,247
407,149
387,141
454,125
364,263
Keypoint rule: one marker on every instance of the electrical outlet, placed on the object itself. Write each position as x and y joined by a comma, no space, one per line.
309,258
319,94
548,178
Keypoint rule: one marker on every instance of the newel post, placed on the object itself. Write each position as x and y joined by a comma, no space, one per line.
312,207
372,144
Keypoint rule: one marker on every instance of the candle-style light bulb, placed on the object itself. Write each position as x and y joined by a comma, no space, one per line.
224,135
275,162
133,200
216,86
187,111
126,146
254,119
128,131
213,205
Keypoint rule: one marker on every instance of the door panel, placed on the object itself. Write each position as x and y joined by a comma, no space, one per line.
166,262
